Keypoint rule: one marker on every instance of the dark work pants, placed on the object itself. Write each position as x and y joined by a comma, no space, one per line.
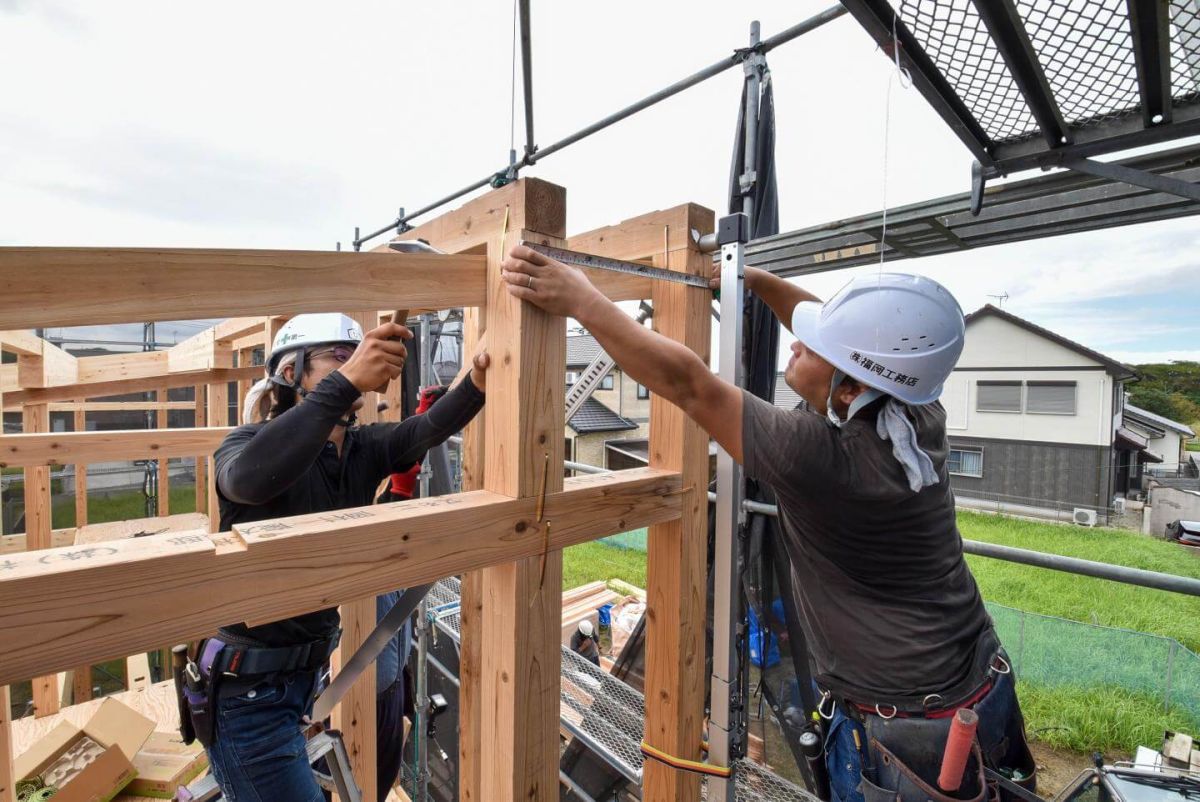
389,736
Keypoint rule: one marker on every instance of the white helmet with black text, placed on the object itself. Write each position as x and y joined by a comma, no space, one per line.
306,331
898,333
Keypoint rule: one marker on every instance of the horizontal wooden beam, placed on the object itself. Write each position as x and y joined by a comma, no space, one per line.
85,286
136,595
39,363
109,406
114,367
201,351
653,234
84,448
145,384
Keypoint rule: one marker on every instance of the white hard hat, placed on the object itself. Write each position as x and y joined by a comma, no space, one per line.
585,626
305,331
899,333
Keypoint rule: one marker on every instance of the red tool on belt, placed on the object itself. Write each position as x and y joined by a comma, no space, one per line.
404,484
958,749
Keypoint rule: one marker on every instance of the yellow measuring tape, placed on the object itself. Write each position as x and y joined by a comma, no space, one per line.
697,766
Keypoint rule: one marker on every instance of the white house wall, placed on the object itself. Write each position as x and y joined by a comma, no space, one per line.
996,343
1090,425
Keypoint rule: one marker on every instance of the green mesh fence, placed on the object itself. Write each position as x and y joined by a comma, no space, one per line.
635,540
1053,651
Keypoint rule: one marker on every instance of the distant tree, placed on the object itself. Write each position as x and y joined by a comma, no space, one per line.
1151,400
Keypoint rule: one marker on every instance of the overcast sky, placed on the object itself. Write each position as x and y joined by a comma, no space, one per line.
285,124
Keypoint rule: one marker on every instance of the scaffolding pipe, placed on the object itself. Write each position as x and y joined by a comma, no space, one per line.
737,57
527,76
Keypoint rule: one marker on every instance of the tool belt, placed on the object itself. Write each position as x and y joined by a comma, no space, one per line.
221,668
905,742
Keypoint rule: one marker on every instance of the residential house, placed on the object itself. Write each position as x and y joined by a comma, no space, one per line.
1165,440
1036,419
618,410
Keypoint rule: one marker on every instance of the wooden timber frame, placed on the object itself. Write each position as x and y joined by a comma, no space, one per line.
68,606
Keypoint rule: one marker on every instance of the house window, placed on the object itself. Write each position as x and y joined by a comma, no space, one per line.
607,382
643,392
572,377
965,461
998,397
1050,398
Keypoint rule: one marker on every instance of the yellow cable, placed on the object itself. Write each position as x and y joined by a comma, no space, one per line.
686,765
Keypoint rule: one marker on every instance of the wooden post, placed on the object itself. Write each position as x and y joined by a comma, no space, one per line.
201,459
522,601
355,715
218,413
470,657
676,550
8,782
36,420
81,497
164,463
81,676
675,676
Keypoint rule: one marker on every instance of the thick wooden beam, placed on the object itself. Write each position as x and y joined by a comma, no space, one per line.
109,406
649,235
35,421
15,544
218,419
201,456
81,491
134,595
675,676
119,367
470,619
355,715
145,384
8,780
64,448
201,351
39,363
522,601
162,420
87,286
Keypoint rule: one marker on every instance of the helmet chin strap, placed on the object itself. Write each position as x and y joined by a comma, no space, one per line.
865,397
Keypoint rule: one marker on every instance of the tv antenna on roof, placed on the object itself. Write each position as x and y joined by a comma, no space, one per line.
1000,299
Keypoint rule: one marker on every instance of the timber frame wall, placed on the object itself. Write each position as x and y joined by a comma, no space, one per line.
69,606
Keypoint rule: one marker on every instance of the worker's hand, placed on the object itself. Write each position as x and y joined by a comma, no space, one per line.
379,358
479,366
549,284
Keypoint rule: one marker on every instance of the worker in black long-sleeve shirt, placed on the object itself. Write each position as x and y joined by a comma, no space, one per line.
307,456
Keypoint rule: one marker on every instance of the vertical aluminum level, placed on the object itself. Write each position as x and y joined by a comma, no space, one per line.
727,732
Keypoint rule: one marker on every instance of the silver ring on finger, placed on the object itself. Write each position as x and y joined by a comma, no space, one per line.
529,283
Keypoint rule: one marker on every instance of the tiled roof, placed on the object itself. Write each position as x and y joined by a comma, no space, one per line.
1150,417
785,397
595,417
581,350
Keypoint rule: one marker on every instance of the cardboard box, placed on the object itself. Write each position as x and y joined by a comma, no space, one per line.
115,727
164,763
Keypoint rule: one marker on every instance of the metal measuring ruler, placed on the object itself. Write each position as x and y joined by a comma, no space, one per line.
591,262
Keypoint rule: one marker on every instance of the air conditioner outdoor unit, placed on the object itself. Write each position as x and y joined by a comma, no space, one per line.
1084,516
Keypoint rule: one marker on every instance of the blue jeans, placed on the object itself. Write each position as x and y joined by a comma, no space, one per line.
258,754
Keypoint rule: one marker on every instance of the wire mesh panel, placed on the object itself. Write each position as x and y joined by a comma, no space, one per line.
1086,51
756,784
957,40
1185,50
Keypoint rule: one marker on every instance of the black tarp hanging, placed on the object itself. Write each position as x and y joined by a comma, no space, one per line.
780,651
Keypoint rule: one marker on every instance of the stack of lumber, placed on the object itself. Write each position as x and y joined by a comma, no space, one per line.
584,602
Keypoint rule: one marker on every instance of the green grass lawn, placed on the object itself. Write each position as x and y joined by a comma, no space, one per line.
1192,445
121,506
1091,714
1079,598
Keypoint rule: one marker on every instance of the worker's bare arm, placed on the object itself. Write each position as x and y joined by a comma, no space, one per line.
663,366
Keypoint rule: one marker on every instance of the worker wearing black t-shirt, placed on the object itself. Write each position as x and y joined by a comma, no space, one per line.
899,637
306,456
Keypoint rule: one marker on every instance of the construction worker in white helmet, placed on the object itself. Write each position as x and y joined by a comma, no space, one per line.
300,452
898,636
584,642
